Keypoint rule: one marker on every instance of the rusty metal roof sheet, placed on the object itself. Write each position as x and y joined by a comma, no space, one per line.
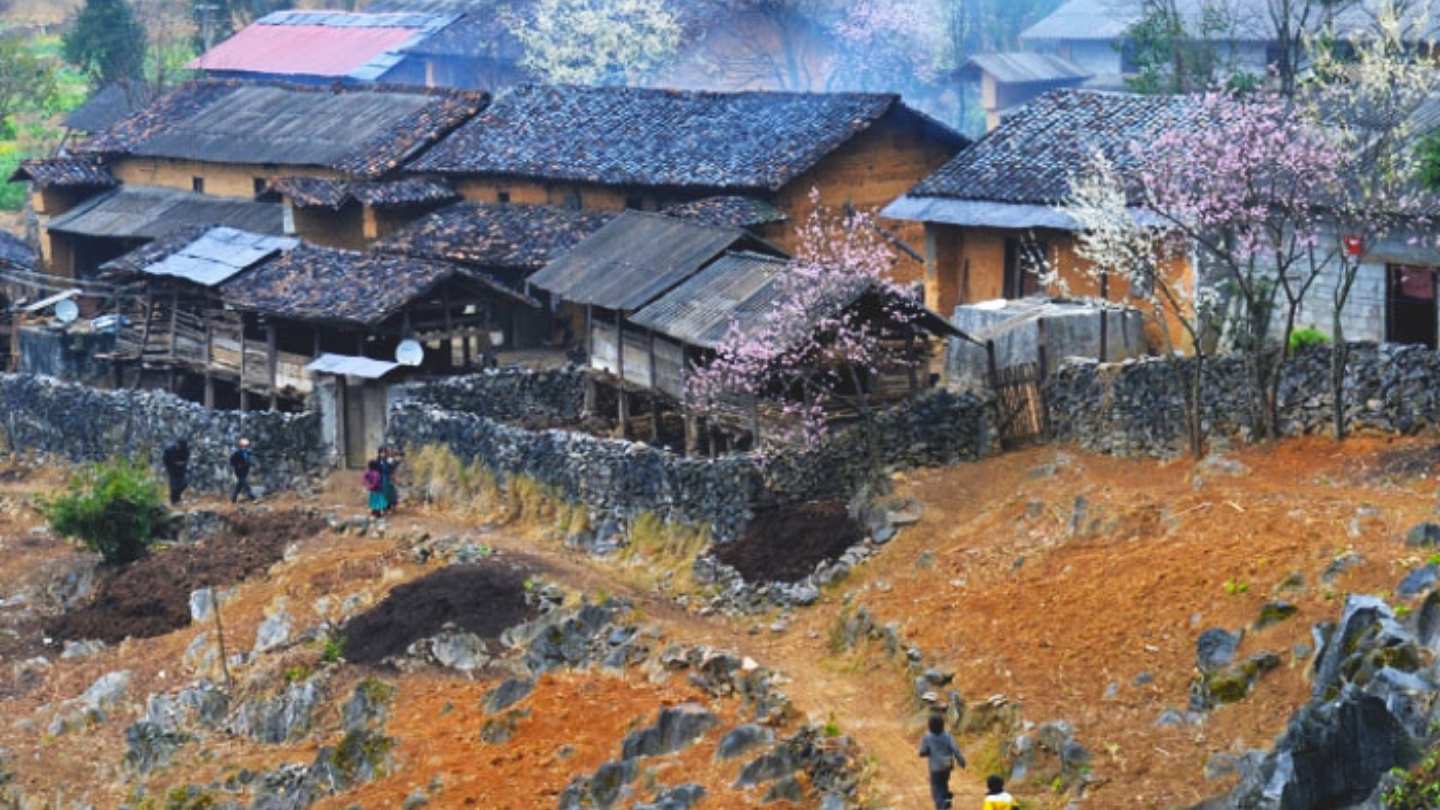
737,288
218,255
636,258
144,212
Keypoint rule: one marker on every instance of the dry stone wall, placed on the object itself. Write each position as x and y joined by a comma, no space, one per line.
1137,408
618,479
506,394
79,423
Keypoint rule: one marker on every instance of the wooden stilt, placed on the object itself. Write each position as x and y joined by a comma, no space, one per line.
692,435
272,366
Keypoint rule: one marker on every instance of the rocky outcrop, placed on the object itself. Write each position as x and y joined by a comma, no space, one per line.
1374,708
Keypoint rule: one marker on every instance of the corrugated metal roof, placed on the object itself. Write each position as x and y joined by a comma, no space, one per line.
144,212
634,259
331,44
737,288
264,123
342,364
219,254
1017,68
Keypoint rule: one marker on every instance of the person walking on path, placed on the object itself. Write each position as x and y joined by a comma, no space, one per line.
939,748
240,463
375,486
995,796
389,462
177,469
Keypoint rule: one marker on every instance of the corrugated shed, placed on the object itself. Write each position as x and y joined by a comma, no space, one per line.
326,44
634,259
520,238
143,212
651,137
738,289
362,131
1019,67
218,255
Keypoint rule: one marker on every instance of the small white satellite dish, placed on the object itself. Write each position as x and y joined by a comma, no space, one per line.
67,311
497,339
409,353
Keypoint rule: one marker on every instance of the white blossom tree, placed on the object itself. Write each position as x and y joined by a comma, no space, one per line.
595,41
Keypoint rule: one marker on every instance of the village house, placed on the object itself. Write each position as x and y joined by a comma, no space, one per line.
613,148
325,47
660,295
994,219
1009,80
206,153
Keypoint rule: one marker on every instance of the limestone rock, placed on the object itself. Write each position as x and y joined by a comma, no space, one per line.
676,729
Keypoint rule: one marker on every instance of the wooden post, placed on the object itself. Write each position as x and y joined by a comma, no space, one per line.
912,358
654,395
209,364
174,321
449,331
145,333
272,365
244,392
1104,321
692,434
315,344
623,407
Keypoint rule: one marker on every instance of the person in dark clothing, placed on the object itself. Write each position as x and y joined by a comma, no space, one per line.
240,463
940,749
389,462
177,469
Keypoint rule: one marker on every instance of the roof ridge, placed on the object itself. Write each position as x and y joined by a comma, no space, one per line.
679,91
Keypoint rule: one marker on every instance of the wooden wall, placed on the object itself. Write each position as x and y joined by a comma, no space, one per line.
966,265
221,179
338,229
530,192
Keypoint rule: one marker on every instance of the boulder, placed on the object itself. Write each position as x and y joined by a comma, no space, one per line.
281,718
106,692
1215,649
1275,612
1418,581
1423,535
149,747
675,729
683,797
743,739
459,651
273,632
1232,684
507,694
1341,564
368,706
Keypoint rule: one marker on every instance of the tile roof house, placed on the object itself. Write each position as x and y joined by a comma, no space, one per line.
996,209
609,148
511,241
320,47
227,141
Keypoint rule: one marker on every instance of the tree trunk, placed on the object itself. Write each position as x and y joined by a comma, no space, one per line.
1339,356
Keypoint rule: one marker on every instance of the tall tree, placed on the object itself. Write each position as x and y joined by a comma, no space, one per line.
27,81
107,42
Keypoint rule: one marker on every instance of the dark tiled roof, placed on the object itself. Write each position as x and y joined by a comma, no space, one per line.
511,237
325,284
64,173
315,192
15,253
363,131
1036,151
650,137
144,212
107,106
731,211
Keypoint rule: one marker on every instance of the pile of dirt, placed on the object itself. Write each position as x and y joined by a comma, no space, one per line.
484,599
786,543
151,597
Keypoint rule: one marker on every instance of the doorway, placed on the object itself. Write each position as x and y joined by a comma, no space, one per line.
1411,314
1024,262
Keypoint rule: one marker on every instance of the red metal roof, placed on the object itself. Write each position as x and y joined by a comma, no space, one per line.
309,50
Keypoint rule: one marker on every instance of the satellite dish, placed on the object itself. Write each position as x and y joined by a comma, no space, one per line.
67,311
409,353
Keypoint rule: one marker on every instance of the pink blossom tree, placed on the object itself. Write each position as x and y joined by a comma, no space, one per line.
1243,183
831,326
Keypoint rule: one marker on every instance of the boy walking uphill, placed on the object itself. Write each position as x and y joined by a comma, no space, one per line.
995,796
939,748
240,462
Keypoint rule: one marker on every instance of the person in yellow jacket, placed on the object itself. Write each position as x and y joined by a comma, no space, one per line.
995,796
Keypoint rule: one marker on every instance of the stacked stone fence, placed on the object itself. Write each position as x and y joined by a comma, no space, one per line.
621,478
1137,407
506,394
82,424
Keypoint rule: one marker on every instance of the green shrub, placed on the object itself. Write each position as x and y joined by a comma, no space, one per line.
12,195
333,650
1307,336
114,508
1417,788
